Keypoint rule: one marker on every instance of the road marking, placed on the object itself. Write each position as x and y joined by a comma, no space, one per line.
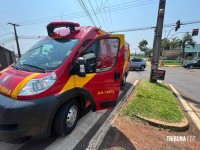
187,108
99,136
82,128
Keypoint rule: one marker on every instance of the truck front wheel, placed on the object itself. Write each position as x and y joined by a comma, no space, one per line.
66,118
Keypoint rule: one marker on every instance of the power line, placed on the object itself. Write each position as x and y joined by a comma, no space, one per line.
6,34
7,41
110,15
98,9
133,29
94,13
82,14
153,27
137,2
178,33
31,37
86,11
106,14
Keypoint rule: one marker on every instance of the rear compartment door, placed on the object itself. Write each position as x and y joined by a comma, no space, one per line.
105,61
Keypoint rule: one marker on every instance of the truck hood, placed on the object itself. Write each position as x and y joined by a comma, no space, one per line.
13,80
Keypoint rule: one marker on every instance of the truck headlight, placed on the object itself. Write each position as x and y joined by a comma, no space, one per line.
36,86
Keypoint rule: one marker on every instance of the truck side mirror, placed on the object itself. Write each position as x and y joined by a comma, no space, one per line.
80,62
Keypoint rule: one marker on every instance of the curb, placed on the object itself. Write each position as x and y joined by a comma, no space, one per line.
187,108
171,66
97,139
173,126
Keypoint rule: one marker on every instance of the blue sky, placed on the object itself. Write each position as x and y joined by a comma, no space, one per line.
34,15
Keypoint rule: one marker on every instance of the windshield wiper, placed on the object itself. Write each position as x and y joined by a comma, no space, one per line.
19,68
34,48
35,67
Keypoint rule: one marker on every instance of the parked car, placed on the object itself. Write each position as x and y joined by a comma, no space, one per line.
192,64
137,63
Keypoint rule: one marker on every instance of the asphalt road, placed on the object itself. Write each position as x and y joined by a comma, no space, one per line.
186,81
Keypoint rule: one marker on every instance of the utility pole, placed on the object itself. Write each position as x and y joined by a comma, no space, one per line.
16,38
157,38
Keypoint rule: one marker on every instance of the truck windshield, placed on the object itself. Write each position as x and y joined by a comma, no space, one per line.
47,54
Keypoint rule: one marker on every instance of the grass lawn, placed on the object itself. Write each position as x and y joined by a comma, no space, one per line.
172,63
154,100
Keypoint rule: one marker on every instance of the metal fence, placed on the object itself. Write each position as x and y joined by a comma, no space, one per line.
7,58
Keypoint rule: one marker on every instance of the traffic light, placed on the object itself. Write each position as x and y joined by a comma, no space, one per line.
178,24
195,32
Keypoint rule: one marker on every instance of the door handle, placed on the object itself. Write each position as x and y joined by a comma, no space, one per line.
116,76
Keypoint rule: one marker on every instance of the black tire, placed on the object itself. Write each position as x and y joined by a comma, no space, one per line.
191,66
66,118
123,80
142,68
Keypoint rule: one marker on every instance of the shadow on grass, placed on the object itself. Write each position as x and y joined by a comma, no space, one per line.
117,140
163,86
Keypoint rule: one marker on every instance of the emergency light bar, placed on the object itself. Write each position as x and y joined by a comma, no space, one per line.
53,25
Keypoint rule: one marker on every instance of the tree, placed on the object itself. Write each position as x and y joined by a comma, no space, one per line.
179,43
143,45
187,40
148,52
165,44
175,43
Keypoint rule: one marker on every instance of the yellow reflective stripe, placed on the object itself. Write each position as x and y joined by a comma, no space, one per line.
121,37
22,84
81,81
69,85
125,64
127,59
76,81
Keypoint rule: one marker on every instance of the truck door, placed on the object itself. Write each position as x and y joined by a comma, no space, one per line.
104,68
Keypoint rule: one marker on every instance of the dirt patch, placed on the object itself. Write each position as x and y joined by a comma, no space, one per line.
128,134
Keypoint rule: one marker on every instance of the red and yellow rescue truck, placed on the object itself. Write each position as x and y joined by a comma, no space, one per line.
57,79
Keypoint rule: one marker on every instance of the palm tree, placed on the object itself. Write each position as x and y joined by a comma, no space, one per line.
165,44
187,40
175,43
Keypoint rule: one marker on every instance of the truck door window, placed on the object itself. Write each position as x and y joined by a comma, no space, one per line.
101,55
107,54
84,45
90,56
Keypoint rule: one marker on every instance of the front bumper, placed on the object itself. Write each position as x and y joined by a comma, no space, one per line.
24,120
